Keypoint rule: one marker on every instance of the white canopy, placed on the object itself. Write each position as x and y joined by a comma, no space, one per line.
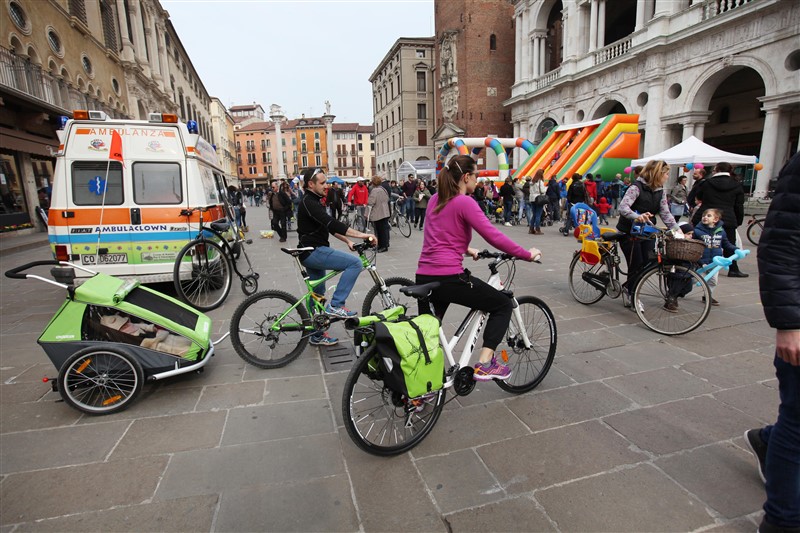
693,150
423,168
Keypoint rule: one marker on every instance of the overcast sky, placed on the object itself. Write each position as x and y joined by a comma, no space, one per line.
295,53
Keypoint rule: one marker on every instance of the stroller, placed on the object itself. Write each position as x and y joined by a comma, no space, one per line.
110,335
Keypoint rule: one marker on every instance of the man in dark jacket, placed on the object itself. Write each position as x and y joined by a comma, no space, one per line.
553,199
777,447
314,225
721,191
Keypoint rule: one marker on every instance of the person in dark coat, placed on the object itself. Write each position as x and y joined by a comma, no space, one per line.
721,191
553,199
777,447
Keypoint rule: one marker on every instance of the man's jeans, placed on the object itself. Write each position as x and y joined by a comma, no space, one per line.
408,208
325,258
782,469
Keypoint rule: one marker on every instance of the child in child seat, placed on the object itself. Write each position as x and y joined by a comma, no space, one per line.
711,232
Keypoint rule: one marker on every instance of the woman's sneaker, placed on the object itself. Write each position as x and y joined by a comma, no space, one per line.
323,340
493,370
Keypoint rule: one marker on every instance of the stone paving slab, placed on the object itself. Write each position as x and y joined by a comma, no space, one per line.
626,420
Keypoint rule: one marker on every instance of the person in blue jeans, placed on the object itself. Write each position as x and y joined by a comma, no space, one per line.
777,447
314,225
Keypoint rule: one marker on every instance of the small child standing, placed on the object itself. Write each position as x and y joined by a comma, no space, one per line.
602,210
710,231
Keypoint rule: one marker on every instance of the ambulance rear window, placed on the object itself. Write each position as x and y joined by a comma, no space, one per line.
157,183
89,183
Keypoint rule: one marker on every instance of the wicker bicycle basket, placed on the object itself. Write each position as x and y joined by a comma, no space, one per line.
685,249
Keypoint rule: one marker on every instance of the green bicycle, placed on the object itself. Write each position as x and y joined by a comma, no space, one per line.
271,328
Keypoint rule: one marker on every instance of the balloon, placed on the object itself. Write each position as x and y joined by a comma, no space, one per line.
758,166
758,160
699,165
628,170
689,166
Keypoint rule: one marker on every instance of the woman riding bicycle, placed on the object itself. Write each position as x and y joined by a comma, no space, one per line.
450,218
643,199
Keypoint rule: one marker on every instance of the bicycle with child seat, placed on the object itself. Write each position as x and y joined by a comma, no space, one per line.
271,328
204,267
384,422
670,297
755,227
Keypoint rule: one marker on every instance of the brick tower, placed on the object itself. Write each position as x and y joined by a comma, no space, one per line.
474,68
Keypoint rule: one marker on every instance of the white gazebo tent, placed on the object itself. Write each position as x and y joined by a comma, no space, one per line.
693,150
424,169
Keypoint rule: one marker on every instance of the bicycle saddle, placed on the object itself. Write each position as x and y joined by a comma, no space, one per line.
294,252
420,291
220,226
611,237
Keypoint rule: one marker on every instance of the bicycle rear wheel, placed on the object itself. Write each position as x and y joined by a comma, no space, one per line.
203,274
584,280
379,420
754,230
375,301
263,341
659,287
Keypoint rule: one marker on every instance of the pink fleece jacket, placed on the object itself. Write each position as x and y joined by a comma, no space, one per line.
449,232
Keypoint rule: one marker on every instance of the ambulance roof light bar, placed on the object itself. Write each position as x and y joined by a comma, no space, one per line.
82,114
162,118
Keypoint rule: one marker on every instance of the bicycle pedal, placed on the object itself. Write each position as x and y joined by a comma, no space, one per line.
249,241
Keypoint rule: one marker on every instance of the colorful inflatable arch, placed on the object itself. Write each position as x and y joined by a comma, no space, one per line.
498,145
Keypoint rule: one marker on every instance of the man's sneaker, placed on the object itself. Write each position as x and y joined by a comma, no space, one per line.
323,340
507,224
671,305
341,312
493,370
713,301
752,437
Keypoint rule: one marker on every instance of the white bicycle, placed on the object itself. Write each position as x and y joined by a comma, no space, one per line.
382,421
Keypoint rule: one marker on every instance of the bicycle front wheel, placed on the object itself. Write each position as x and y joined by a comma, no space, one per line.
404,226
379,420
261,337
671,299
754,230
376,301
529,366
202,275
587,283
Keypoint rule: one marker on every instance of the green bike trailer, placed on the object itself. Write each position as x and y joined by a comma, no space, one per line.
110,335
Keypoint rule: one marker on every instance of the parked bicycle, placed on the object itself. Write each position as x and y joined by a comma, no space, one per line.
272,328
382,421
398,221
204,267
669,277
755,227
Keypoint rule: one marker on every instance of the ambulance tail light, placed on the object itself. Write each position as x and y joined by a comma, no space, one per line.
167,118
61,252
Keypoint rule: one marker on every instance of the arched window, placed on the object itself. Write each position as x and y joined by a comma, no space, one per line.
493,42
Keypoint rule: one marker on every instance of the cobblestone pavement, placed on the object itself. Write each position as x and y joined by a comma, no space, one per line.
630,431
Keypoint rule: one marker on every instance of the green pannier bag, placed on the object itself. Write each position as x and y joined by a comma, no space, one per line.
411,356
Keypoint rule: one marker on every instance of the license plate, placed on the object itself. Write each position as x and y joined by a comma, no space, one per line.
105,259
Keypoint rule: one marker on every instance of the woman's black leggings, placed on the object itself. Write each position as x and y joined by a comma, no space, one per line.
466,290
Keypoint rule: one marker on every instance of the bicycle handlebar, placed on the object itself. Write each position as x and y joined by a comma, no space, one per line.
502,256
366,245
190,211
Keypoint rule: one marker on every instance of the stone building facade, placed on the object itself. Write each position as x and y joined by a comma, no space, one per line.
403,104
725,71
474,70
122,57
222,135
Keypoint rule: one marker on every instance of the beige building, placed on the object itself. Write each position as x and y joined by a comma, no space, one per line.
122,57
402,102
353,150
222,135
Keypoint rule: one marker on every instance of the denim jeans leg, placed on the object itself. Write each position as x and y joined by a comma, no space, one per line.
782,468
325,258
313,274
537,216
507,205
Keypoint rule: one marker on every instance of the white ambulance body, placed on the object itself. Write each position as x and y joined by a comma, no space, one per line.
131,211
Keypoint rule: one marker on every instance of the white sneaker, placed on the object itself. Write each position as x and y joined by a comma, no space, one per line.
507,224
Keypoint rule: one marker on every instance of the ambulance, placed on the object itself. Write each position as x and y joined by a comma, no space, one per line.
124,217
